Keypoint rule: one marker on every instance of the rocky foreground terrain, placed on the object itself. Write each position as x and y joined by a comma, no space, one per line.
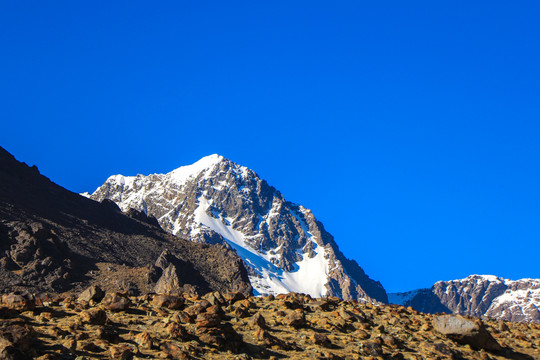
94,325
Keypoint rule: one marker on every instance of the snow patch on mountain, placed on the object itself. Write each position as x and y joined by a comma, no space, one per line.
309,275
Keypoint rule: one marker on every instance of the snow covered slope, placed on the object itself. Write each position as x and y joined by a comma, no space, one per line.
217,201
478,295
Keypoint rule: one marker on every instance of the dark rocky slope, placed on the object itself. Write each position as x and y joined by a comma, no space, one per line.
52,239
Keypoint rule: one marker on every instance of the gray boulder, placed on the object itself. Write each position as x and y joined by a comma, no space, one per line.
466,332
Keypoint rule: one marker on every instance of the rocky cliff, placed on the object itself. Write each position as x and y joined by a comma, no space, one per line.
478,295
54,240
217,201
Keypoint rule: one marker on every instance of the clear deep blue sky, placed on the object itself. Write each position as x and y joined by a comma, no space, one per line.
410,128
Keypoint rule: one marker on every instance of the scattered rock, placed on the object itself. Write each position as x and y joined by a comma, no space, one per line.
168,301
232,297
296,319
258,320
121,352
115,302
18,302
144,340
321,339
94,316
465,331
92,293
174,351
177,332
207,320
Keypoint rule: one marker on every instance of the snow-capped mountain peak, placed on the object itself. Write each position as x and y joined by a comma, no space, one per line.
478,295
218,201
183,173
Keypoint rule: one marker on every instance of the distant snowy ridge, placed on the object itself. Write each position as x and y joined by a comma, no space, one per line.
217,201
478,295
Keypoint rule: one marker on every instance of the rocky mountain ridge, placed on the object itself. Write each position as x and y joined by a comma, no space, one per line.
478,295
217,201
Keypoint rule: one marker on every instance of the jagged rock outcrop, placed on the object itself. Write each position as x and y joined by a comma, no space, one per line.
478,295
217,201
54,240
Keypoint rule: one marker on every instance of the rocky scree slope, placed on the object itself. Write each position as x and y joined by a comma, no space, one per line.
231,326
478,295
217,201
52,239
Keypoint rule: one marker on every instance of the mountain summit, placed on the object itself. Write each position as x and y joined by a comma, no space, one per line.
220,202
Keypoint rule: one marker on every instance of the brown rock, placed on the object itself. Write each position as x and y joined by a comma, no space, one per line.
177,331
232,297
240,312
321,339
258,320
168,301
121,352
182,318
196,309
296,319
115,302
144,340
174,351
92,293
465,331
215,309
94,316
215,298
18,302
207,320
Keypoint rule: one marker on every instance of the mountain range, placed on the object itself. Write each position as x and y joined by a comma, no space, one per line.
286,249
132,235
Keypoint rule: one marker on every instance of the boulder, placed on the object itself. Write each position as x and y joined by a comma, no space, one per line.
92,293
168,301
115,302
296,319
466,332
94,316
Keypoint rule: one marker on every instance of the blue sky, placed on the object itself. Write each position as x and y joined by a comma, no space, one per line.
411,129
